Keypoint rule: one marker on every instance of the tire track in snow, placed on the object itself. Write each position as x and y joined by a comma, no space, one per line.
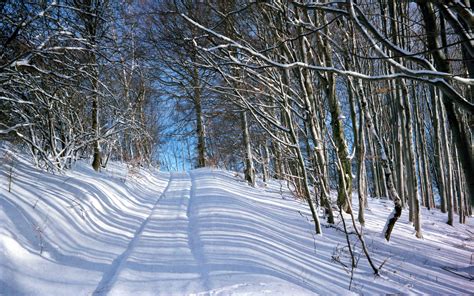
194,240
110,276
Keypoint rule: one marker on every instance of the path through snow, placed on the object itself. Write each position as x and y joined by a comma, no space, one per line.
110,276
164,253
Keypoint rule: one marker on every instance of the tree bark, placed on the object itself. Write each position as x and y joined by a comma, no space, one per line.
200,132
249,166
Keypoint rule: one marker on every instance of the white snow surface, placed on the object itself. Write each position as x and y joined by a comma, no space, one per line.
203,232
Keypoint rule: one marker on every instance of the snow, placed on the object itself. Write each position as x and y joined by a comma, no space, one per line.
204,232
22,62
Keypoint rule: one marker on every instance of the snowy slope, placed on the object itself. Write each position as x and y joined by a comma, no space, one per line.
123,232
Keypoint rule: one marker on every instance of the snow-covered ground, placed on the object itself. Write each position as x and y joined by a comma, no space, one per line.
205,232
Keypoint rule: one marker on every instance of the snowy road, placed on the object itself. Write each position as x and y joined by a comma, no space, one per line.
163,251
166,255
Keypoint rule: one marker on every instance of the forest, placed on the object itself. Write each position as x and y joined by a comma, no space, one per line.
367,97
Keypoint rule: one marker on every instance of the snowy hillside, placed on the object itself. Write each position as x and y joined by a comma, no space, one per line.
206,232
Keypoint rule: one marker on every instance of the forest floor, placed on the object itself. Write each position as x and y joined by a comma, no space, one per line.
128,231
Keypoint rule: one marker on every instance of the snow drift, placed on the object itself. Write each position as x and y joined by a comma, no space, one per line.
126,231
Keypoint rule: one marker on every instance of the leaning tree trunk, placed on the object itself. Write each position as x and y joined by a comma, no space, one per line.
310,99
393,194
337,124
411,142
300,158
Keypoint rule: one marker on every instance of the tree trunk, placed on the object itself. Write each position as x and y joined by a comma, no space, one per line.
414,196
249,166
200,133
438,148
393,194
97,158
